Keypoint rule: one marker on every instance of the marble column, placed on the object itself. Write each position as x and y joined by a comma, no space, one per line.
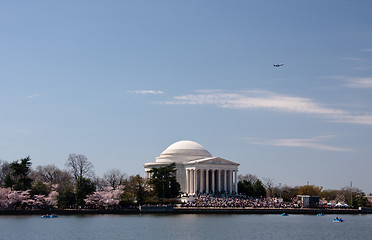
201,180
213,182
236,181
207,181
219,180
187,180
231,181
192,181
195,181
225,181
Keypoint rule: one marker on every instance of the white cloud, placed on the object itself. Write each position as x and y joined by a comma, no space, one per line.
354,82
258,99
33,96
365,82
147,92
313,143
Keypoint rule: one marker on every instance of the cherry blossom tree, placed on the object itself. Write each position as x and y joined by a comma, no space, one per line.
106,199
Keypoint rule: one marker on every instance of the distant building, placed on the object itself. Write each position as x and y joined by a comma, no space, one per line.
196,170
309,201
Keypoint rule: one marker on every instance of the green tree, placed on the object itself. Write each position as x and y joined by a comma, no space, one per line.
21,170
66,199
134,191
164,181
39,188
252,188
359,200
9,181
258,189
83,188
245,187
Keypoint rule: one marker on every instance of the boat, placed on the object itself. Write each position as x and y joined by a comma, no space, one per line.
337,219
320,214
284,214
49,216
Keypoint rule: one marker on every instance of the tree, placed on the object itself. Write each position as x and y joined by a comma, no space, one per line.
134,191
79,166
353,196
114,177
9,181
310,190
252,189
245,187
288,193
259,189
5,170
269,185
53,175
66,199
329,194
83,188
359,200
21,170
164,181
39,188
107,198
248,177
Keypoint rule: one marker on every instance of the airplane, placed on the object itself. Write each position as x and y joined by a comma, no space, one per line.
278,65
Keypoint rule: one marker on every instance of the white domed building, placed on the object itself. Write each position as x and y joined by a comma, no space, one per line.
197,170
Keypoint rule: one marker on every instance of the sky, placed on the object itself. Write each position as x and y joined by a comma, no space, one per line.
120,81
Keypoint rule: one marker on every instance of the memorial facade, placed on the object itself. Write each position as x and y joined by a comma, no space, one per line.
197,171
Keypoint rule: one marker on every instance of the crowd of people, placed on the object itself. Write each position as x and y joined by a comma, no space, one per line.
237,201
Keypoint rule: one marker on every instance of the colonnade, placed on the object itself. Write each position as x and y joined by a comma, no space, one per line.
211,180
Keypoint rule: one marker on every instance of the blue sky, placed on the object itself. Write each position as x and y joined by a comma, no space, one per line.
119,81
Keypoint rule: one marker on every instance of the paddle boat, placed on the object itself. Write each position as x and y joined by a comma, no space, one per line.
320,214
337,219
284,214
49,216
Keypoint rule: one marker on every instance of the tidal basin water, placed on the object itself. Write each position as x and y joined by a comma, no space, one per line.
185,226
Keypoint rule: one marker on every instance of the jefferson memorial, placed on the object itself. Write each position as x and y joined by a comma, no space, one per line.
196,170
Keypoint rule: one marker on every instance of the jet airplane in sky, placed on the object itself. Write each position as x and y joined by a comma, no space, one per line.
278,65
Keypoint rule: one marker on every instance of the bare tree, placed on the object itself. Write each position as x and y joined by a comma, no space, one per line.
4,171
269,185
79,166
100,183
248,177
52,174
114,177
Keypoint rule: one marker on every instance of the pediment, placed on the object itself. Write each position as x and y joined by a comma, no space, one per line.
213,160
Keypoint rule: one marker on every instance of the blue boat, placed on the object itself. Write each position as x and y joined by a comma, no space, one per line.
49,216
337,219
320,214
284,214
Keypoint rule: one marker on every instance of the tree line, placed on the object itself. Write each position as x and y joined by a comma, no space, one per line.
77,186
251,185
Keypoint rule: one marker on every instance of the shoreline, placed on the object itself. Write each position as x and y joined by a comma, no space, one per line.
188,210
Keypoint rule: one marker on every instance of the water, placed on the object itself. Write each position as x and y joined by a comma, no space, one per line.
187,226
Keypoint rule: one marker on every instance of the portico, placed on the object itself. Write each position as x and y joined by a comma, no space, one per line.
211,180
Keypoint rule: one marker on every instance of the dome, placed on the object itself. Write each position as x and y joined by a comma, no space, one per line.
183,151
